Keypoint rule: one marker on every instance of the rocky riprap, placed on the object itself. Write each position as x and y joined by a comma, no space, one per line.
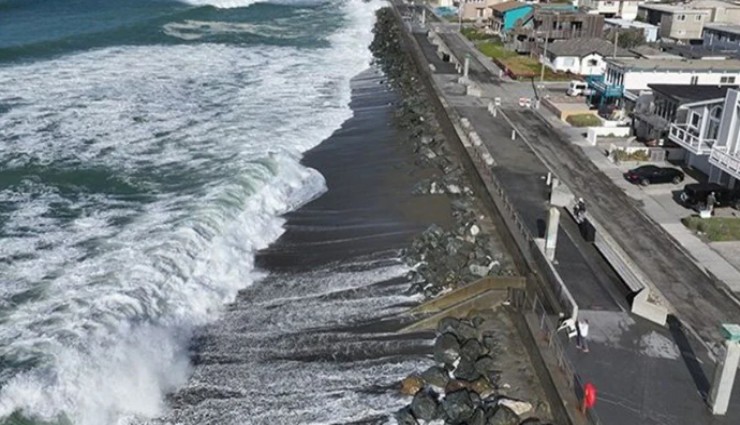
465,386
444,258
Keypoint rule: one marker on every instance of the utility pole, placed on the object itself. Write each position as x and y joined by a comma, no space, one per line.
616,40
544,57
459,14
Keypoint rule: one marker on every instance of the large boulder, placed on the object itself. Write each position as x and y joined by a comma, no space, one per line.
406,417
502,415
411,385
517,406
465,370
478,418
424,406
485,365
446,349
461,329
471,350
437,376
482,387
458,406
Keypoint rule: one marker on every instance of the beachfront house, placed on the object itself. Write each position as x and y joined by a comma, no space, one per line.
721,37
625,9
553,23
625,78
649,31
654,112
582,56
505,16
685,22
478,11
709,131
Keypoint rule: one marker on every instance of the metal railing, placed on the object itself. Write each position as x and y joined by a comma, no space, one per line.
730,163
688,140
548,329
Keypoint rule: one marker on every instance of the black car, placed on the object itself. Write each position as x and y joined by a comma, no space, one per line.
648,174
695,195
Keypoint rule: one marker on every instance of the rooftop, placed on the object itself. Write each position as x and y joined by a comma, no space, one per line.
628,23
698,52
642,64
673,8
691,93
728,28
509,5
585,46
652,53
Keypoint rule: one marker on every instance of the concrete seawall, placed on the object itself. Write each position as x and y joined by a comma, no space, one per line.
527,254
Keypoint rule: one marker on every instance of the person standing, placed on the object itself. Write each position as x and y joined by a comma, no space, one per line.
711,200
581,335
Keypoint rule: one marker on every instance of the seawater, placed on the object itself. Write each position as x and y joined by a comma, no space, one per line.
147,150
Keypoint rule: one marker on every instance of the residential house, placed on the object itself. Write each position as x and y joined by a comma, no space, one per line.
625,78
582,56
654,112
721,36
685,22
477,10
553,24
649,31
625,9
505,16
709,131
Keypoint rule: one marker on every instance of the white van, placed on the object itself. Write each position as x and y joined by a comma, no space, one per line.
578,88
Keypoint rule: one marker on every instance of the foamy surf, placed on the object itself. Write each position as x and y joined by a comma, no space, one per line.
141,180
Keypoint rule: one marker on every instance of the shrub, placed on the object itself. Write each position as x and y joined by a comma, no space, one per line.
583,120
623,155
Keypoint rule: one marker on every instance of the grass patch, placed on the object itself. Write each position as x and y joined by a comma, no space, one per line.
474,34
716,229
583,120
516,65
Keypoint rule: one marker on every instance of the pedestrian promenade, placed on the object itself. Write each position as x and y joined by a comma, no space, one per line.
645,373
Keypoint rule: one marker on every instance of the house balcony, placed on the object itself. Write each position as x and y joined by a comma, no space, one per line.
680,135
727,162
606,89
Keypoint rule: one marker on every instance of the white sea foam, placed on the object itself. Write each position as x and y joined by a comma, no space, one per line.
105,298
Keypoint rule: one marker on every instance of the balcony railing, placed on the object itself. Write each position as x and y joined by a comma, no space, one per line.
693,143
607,90
729,162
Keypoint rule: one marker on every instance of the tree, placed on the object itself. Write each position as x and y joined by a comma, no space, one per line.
628,37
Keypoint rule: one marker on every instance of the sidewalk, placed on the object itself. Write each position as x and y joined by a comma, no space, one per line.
645,373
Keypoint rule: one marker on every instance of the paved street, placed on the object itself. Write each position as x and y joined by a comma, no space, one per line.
645,373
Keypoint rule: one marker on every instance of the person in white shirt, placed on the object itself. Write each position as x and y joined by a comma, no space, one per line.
581,335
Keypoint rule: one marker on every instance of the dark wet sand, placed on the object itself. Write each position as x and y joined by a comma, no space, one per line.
368,208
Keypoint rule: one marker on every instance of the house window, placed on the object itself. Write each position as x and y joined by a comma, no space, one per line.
694,79
715,116
727,80
697,17
681,17
695,120
592,62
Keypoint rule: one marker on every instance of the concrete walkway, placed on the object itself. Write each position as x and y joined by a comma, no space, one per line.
645,373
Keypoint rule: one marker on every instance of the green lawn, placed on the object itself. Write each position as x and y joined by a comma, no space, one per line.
583,120
716,229
521,66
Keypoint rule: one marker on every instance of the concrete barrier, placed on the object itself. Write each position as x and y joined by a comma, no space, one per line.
593,133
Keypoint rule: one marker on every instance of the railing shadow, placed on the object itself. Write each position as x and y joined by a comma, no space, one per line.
689,357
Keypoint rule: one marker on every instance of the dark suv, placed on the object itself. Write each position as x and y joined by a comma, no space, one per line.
695,195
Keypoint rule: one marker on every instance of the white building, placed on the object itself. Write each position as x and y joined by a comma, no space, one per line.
650,31
710,133
582,56
625,9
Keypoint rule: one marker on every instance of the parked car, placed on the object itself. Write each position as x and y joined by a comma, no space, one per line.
578,88
695,195
649,174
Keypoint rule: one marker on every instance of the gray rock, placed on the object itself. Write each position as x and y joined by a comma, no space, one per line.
424,406
485,365
406,417
478,418
478,270
458,407
461,329
466,371
471,350
503,416
436,376
446,349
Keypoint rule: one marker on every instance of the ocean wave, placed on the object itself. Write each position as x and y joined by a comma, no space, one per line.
195,30
106,285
